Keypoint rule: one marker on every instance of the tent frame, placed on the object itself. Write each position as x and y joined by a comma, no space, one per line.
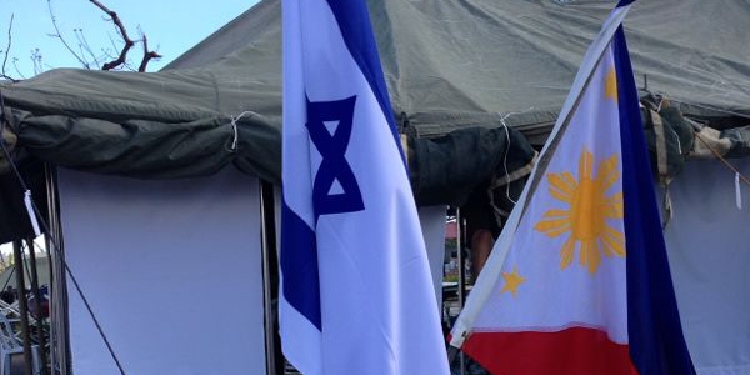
60,357
60,354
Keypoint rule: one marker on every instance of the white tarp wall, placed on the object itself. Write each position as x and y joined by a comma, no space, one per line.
432,221
708,241
172,270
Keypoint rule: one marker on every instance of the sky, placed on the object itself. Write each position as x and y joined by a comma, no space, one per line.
171,26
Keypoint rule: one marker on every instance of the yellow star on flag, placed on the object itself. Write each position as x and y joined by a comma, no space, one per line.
512,281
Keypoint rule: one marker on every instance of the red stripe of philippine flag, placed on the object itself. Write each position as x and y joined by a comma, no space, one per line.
578,282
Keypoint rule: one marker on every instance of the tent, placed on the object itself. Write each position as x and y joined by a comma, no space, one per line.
476,85
449,65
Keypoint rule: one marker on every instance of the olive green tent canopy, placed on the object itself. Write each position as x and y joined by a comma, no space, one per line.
450,65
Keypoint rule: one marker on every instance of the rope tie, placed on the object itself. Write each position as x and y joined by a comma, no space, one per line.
235,136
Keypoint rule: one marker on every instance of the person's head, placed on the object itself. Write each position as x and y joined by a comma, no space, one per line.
9,288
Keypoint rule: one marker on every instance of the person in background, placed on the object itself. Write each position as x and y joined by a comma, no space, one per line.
482,227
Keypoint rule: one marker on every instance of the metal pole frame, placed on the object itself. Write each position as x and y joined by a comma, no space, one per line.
22,306
60,358
38,305
268,254
461,275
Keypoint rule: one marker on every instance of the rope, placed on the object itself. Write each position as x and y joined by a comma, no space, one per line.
505,157
233,146
722,159
45,226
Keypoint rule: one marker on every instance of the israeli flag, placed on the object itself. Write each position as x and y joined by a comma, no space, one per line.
356,290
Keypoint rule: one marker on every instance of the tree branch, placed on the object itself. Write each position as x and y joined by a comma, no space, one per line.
36,59
83,44
147,55
59,36
14,60
7,50
120,60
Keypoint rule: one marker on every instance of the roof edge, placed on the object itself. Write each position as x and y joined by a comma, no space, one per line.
260,6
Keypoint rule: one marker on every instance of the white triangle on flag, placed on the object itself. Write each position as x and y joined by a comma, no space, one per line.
331,126
336,188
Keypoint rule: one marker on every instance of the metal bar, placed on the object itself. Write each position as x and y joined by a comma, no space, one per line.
38,304
48,245
59,340
52,319
461,276
21,287
268,247
461,258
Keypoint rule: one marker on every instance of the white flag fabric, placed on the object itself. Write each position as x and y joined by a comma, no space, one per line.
356,292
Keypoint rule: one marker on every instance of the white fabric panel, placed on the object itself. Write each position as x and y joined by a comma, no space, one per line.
707,242
172,270
432,220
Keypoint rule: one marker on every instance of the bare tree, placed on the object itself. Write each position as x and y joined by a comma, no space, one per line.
58,35
114,56
129,43
36,59
7,49
147,55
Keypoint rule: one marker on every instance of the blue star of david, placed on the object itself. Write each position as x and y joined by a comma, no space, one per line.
333,149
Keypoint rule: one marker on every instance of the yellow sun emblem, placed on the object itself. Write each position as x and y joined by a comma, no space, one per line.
589,209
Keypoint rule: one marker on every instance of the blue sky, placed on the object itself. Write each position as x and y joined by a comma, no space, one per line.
171,26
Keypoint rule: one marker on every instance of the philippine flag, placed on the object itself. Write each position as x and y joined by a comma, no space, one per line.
578,282
356,291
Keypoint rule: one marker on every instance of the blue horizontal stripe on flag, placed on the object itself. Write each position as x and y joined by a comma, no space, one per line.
354,22
657,346
298,260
